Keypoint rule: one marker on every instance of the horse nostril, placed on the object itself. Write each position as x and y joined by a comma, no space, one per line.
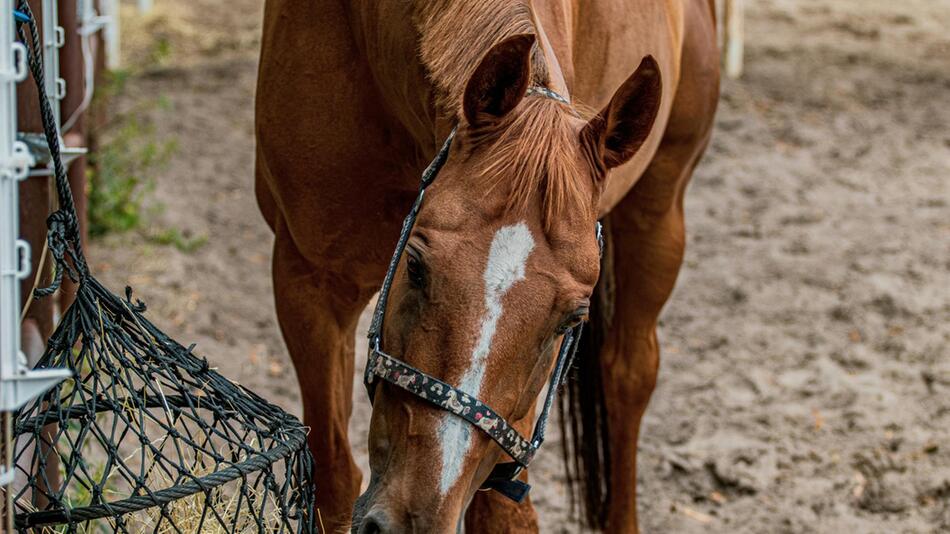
374,523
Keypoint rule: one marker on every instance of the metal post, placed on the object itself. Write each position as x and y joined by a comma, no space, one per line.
18,384
72,107
110,9
734,37
53,39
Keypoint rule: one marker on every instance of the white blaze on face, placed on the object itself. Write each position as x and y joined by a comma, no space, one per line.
507,257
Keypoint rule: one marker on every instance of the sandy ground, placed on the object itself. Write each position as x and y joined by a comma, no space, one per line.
805,382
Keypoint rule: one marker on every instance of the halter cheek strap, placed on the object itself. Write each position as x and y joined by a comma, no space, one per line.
382,366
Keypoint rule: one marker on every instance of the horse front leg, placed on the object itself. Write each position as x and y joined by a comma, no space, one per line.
646,265
648,235
318,311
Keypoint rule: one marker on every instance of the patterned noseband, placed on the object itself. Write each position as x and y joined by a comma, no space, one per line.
449,398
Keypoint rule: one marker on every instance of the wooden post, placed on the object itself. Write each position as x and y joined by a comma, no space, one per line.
734,37
96,116
35,194
72,70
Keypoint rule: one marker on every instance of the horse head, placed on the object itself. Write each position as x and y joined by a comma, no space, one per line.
499,265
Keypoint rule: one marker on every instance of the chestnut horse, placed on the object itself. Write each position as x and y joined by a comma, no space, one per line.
353,100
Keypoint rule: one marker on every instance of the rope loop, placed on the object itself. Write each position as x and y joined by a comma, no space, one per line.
63,240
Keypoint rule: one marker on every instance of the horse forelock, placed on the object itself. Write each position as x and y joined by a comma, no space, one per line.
535,155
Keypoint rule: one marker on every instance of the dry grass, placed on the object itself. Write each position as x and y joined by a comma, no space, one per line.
223,510
218,512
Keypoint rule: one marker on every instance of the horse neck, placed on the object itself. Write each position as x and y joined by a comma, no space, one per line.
422,53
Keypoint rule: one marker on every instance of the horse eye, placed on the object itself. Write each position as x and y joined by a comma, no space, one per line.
577,317
415,270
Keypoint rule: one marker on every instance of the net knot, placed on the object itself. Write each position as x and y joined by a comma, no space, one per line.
63,232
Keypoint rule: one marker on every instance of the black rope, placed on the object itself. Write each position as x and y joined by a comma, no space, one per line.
63,237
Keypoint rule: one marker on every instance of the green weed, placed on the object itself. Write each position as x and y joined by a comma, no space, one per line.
175,238
161,51
121,174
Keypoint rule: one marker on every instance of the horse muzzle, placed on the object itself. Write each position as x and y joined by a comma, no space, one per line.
381,512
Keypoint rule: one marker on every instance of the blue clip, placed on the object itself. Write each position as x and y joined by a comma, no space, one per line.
20,16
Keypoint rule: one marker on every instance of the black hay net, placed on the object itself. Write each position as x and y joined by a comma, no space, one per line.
145,436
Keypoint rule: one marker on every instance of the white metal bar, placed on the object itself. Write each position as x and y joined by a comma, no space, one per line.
734,30
9,212
53,38
110,10
17,383
90,19
9,263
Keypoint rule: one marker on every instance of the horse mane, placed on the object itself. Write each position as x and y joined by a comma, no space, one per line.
456,34
534,149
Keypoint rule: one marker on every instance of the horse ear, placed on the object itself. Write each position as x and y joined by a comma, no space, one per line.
620,129
500,80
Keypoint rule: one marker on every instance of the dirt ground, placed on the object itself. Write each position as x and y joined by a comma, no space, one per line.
805,379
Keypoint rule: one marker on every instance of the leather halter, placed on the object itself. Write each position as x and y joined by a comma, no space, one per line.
449,398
